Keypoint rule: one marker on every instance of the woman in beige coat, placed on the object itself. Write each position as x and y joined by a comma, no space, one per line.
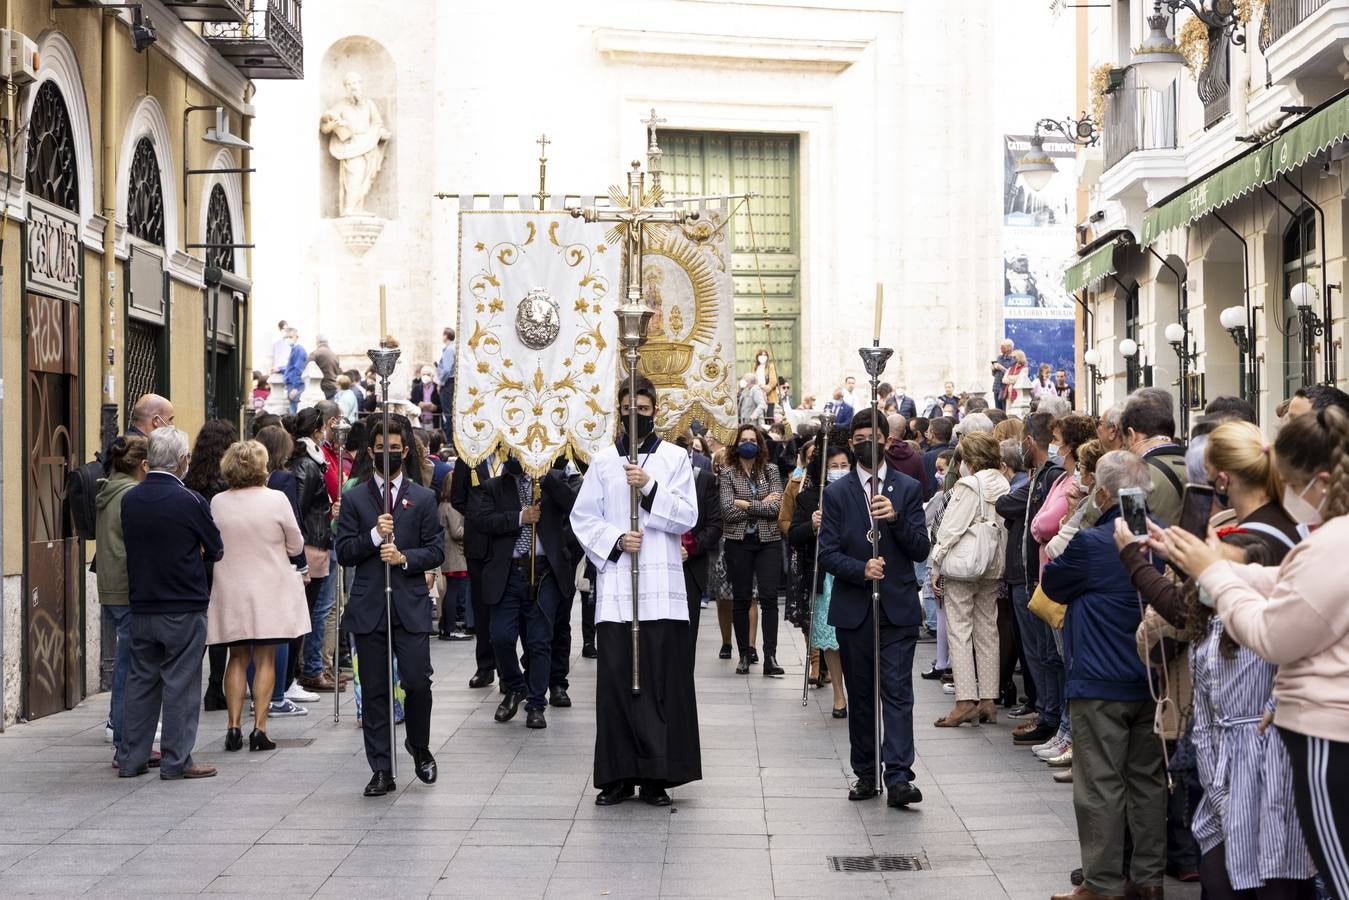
257,596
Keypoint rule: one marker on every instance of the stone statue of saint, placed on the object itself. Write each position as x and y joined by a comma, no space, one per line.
356,140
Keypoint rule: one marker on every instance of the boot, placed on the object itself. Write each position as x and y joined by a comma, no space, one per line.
742,668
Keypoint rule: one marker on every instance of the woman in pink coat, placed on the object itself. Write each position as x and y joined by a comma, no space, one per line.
257,596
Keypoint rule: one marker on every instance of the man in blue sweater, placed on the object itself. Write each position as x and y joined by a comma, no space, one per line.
170,537
1119,776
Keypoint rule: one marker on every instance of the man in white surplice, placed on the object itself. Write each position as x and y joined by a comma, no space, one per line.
648,741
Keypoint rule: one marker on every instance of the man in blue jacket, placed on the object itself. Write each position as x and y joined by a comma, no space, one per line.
850,512
1119,777
170,537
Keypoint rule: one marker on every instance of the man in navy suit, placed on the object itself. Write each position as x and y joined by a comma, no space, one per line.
850,512
408,540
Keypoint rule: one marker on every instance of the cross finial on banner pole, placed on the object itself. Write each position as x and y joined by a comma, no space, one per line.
542,195
653,151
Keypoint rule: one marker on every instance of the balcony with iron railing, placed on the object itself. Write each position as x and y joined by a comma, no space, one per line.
1215,79
267,43
1137,119
1304,42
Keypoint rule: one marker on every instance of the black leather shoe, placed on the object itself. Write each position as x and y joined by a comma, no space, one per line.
234,739
482,678
753,656
725,651
771,667
258,740
381,783
1024,711
534,719
423,763
901,794
841,713
1076,877
1037,735
742,668
934,673
509,705
614,794
557,696
654,796
863,790
589,651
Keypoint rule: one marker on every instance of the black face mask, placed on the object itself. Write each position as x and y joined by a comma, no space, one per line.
862,452
395,463
512,466
645,425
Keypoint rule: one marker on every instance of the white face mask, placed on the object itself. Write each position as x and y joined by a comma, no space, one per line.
763,359
1077,481
1053,451
835,474
1296,504
965,470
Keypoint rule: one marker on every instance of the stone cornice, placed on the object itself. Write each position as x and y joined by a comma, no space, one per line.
781,53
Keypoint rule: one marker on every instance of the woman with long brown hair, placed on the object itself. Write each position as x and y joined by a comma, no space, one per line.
751,497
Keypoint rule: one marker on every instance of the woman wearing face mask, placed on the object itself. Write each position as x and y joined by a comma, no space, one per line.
972,603
1295,616
425,396
805,529
751,495
1245,825
309,466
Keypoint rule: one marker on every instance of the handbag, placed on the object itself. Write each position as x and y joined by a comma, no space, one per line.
1048,611
980,552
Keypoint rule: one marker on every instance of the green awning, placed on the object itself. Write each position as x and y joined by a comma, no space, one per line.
1261,166
1090,269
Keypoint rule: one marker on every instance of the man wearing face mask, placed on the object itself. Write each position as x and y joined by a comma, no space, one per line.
646,742
150,412
409,541
527,590
891,502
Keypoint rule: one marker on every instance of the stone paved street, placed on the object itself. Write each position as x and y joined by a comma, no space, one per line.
513,813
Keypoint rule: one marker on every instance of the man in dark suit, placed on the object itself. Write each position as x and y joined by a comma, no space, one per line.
170,539
850,512
696,544
508,512
407,542
464,483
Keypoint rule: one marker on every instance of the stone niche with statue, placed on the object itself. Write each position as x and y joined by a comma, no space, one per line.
356,128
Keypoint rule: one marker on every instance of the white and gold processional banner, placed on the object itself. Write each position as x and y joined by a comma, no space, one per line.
538,351
689,354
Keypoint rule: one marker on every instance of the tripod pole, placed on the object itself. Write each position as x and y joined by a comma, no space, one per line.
822,448
633,517
340,433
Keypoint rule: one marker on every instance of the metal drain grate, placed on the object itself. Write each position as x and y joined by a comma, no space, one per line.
293,743
893,862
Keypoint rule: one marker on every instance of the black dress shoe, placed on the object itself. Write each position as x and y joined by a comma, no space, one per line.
557,696
725,651
589,651
934,673
381,783
841,713
614,794
902,793
753,656
482,678
509,705
1076,877
534,719
742,668
423,763
771,667
863,790
1024,711
654,796
258,740
234,739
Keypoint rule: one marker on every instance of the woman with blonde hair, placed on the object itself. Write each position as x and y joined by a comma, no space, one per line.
257,596
1295,616
1014,374
1043,385
1010,428
971,601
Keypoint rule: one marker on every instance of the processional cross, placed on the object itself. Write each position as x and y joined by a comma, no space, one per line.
637,218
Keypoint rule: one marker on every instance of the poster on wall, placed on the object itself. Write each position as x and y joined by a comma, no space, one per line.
1037,239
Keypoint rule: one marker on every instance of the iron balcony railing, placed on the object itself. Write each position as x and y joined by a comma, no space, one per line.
268,43
1284,16
1138,119
1215,81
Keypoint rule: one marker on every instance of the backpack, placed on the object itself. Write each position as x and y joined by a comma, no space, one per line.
82,486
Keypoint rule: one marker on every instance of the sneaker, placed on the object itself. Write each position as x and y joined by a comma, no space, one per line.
284,707
1056,738
1057,748
107,733
948,688
1063,760
459,635
299,694
1024,711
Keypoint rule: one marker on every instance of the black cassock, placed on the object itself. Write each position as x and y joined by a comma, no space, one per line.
651,738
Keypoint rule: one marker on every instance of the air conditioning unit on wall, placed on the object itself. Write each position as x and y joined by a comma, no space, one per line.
18,57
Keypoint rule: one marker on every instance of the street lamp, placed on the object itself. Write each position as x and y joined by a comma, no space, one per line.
1310,326
1128,348
1091,357
1158,59
1233,318
1036,168
1179,339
